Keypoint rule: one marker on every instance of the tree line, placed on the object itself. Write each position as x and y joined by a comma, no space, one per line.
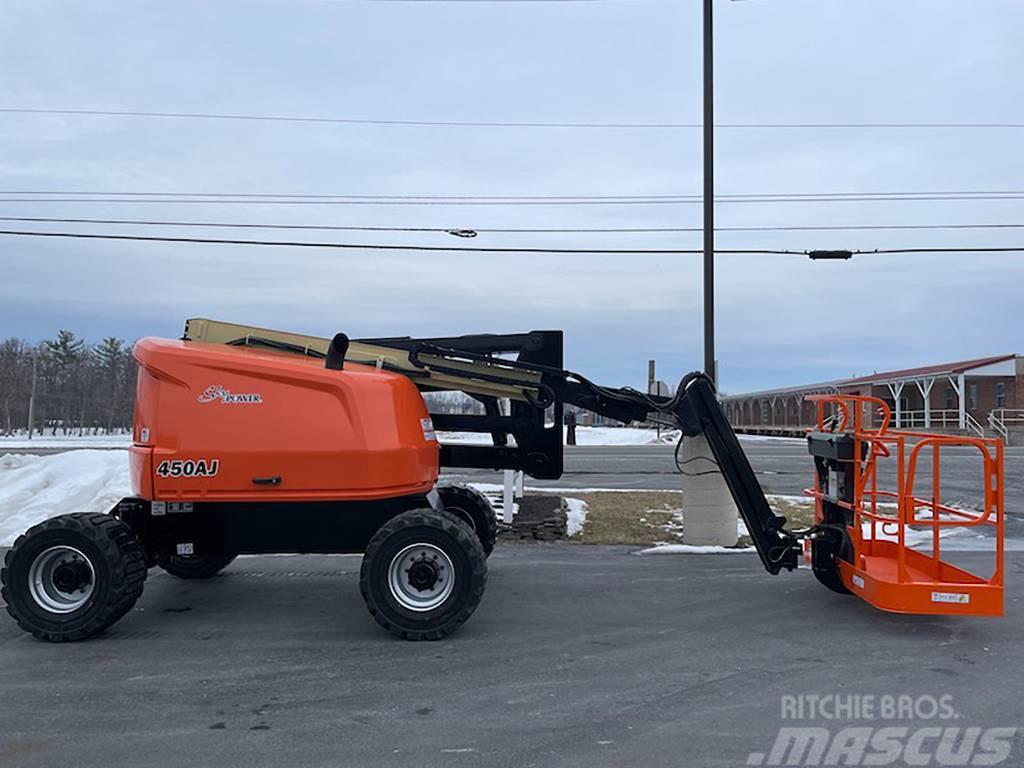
71,387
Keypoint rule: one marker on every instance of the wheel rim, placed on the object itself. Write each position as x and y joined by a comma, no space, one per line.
421,577
61,579
463,515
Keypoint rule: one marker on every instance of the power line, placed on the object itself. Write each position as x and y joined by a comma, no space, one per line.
389,247
582,201
983,249
507,124
472,231
470,249
331,196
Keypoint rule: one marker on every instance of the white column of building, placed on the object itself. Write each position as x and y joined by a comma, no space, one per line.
896,390
962,387
925,388
961,392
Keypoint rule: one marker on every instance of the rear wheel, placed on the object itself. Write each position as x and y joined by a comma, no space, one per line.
474,509
423,574
73,576
202,567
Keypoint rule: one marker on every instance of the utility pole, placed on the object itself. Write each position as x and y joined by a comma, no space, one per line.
32,397
709,196
709,512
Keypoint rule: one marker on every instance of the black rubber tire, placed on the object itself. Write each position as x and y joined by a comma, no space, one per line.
826,553
474,508
194,567
118,561
457,541
831,580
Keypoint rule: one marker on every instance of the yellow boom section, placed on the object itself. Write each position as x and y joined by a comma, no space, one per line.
459,374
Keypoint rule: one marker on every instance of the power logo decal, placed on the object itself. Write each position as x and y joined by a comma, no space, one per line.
216,393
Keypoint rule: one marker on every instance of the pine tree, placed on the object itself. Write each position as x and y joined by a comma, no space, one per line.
110,358
65,356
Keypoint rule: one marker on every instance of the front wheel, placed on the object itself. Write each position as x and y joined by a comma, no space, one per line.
423,574
72,576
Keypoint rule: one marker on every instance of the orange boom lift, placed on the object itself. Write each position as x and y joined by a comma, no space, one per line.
249,441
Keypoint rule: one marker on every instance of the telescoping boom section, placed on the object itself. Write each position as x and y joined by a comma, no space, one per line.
529,436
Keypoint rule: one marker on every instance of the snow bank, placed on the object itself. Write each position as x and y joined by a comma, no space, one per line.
772,439
576,514
584,436
692,549
34,488
65,441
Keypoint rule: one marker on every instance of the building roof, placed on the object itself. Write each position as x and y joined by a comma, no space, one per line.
926,371
943,369
823,386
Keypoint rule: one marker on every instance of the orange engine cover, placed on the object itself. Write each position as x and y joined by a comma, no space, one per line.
220,423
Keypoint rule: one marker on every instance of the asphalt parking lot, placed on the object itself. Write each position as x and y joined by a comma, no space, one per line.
578,656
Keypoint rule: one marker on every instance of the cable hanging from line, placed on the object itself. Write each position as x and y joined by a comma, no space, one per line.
489,249
912,125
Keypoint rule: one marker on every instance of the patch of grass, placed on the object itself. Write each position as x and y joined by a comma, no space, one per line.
640,518
799,514
643,518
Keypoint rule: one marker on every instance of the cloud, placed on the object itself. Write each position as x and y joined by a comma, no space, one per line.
780,319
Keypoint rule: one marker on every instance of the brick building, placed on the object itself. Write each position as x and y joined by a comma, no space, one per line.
980,396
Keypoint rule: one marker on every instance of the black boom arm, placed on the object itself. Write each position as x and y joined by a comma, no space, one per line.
529,438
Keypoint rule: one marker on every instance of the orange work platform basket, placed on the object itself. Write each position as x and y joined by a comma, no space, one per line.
882,520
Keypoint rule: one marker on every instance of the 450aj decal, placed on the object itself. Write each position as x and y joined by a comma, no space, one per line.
188,468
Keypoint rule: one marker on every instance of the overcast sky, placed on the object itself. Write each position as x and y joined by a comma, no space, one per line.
781,319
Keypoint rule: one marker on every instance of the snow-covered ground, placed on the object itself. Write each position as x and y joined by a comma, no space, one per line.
65,441
771,439
34,488
576,514
584,436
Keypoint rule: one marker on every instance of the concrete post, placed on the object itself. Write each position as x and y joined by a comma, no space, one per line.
709,514
508,498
